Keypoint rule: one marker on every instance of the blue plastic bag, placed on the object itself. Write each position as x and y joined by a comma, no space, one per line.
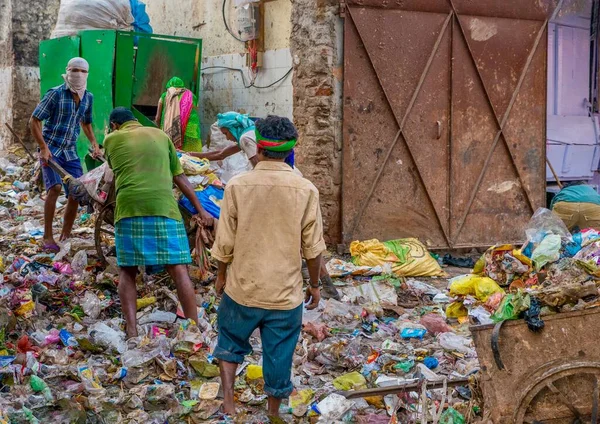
204,197
141,21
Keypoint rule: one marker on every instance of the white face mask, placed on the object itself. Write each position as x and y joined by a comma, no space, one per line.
77,82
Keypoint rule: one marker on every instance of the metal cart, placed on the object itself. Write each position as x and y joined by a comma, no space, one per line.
548,377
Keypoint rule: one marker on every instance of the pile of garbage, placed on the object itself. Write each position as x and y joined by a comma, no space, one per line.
555,271
64,357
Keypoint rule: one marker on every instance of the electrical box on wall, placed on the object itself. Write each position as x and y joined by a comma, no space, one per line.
247,17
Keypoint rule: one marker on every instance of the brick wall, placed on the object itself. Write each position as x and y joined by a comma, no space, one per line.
316,46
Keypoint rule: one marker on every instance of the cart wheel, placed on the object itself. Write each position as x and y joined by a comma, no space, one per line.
567,393
104,233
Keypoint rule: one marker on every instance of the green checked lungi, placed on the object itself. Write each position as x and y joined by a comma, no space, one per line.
151,240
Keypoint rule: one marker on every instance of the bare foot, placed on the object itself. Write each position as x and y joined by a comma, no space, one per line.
131,334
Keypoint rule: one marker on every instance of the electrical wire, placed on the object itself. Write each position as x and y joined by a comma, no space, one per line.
252,82
227,24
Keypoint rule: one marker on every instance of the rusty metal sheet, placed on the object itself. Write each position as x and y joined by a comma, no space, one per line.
431,6
511,9
564,347
373,114
444,122
537,10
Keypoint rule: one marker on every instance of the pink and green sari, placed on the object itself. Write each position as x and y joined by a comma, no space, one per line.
180,117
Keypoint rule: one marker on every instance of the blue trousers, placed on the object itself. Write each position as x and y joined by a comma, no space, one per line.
279,332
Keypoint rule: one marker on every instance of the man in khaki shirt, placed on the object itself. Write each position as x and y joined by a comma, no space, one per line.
270,218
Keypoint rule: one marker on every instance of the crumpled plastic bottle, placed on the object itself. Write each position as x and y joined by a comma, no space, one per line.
39,386
158,316
79,264
91,304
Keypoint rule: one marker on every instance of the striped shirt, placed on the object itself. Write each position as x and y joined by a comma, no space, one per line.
63,119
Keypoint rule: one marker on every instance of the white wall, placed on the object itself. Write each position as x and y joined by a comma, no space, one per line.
223,90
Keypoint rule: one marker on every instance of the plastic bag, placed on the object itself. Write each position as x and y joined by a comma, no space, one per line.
435,324
409,257
137,357
548,251
511,306
91,181
454,342
350,381
545,222
90,380
532,316
339,268
333,407
108,337
456,310
372,292
142,20
481,315
474,285
77,15
79,264
91,304
254,372
194,166
452,416
233,165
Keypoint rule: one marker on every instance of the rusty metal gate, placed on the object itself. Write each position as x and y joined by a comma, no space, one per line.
444,119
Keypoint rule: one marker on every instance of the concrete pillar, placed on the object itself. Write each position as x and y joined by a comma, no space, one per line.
6,70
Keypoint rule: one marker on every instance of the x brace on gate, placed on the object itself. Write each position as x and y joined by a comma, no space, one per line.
501,123
506,113
401,129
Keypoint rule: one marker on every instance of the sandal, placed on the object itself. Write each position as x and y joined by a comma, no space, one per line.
51,248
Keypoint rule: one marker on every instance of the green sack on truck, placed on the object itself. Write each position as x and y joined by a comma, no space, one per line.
408,257
511,307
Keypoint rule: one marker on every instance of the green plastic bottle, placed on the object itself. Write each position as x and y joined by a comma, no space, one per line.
39,386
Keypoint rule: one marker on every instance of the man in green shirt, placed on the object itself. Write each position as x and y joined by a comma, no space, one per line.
149,228
578,205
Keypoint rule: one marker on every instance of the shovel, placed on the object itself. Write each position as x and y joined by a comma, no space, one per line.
76,188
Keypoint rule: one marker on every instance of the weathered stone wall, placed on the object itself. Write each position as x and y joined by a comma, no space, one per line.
32,22
6,66
316,45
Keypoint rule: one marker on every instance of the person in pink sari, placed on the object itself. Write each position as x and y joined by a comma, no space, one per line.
177,115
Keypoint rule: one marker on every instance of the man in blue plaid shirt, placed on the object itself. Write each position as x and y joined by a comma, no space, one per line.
63,110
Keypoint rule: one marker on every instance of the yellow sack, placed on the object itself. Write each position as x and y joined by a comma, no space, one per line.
456,310
371,253
408,257
415,259
480,287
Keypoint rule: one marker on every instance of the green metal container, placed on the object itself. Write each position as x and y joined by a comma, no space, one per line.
126,69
